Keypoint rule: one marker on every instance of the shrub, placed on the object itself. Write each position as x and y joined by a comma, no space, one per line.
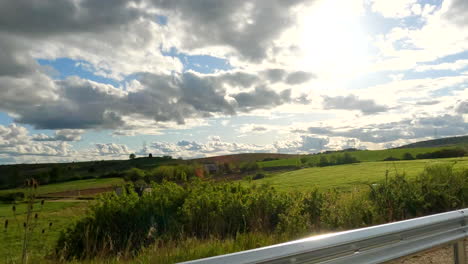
134,174
391,159
443,153
408,156
259,176
249,166
126,223
349,210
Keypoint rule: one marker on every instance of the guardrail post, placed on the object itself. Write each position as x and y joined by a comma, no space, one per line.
459,253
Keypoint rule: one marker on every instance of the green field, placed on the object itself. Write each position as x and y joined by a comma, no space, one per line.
346,177
361,155
60,213
71,186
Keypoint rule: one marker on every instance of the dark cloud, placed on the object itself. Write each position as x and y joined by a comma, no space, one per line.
218,23
299,77
259,128
432,102
82,104
262,97
352,102
275,75
319,130
462,107
457,11
39,18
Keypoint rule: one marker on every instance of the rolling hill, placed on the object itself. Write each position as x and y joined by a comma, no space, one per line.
461,141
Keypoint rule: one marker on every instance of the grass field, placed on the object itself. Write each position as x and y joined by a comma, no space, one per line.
361,155
60,213
71,185
346,177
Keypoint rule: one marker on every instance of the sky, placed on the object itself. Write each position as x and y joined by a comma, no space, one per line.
98,80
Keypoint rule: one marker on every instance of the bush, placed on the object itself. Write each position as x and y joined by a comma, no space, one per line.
128,222
391,159
443,153
408,156
259,176
249,166
134,175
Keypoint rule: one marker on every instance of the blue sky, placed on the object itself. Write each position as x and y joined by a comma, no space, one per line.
192,79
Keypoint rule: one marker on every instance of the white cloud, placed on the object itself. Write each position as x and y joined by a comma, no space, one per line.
396,8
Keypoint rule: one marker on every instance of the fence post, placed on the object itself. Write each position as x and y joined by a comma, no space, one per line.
459,252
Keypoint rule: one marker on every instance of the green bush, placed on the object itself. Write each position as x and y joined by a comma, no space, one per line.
134,175
248,166
259,176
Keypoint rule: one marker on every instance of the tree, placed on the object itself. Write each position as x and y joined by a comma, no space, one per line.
150,155
132,156
408,156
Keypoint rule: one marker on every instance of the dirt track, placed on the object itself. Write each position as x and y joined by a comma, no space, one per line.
75,193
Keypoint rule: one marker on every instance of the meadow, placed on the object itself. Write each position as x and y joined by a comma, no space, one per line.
360,155
348,176
71,186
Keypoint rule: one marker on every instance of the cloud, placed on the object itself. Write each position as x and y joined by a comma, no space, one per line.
351,102
462,107
456,11
61,135
51,17
396,8
275,75
214,146
15,141
305,144
262,97
112,149
75,103
247,28
299,77
431,102
408,129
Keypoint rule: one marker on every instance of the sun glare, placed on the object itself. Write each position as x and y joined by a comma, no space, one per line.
332,40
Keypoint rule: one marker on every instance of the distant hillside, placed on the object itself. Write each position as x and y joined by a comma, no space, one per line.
441,142
58,172
244,157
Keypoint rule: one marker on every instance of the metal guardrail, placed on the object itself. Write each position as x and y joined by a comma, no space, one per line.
376,244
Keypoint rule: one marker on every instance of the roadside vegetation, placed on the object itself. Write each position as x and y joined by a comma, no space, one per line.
199,211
